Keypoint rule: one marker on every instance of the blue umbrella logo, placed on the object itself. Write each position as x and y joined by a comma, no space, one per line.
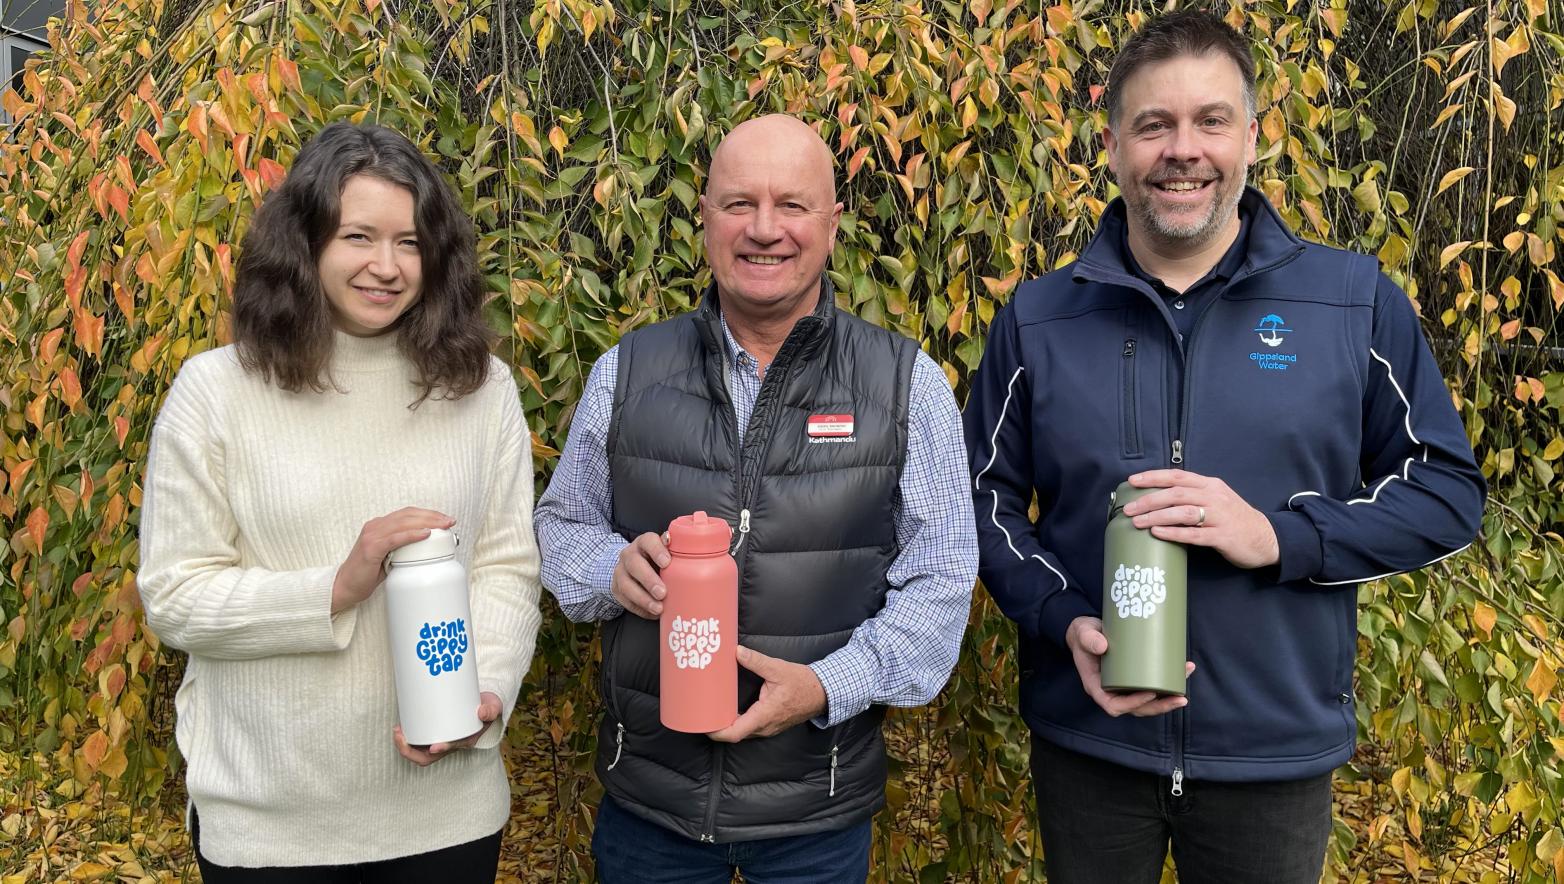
1271,329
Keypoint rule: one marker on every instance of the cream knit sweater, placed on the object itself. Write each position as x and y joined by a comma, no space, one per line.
253,498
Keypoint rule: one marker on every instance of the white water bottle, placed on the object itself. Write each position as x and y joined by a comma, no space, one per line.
431,641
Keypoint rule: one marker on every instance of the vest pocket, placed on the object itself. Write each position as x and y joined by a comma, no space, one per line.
1129,402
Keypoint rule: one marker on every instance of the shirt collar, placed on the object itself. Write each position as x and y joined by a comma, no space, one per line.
1232,259
736,354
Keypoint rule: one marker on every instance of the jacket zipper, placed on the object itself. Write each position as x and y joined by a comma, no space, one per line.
1181,428
748,478
1129,426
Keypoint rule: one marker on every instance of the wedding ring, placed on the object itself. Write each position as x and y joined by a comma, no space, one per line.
1202,519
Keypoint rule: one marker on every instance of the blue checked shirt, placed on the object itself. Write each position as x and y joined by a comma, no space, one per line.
900,656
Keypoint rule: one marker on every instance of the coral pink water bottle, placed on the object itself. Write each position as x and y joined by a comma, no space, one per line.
700,626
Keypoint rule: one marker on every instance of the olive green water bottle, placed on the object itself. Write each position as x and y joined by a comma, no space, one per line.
1144,604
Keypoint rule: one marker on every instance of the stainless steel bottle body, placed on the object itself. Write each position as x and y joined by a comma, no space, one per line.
1144,605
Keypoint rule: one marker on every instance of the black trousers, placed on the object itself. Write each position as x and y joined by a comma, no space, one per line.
1102,823
470,863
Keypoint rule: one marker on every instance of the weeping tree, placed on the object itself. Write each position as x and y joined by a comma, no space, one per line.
966,134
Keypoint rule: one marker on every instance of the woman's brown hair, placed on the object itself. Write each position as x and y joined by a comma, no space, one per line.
282,323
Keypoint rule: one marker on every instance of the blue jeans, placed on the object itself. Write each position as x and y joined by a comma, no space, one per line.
630,850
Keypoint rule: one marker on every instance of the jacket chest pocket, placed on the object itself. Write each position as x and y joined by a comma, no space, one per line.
1130,431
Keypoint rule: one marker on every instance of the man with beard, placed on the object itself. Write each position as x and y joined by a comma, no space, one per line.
1283,398
833,447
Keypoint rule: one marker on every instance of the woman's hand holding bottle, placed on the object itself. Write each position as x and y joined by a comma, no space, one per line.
364,568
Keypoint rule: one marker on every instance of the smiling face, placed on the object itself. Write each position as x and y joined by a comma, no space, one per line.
370,269
770,215
1180,149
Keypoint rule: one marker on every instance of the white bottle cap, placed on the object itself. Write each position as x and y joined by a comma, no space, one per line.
440,544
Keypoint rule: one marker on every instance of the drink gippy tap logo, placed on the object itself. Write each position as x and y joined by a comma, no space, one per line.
1138,590
693,641
442,646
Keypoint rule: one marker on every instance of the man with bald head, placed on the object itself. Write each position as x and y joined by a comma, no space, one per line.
833,448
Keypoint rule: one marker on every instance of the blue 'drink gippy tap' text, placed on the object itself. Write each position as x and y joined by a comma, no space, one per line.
442,646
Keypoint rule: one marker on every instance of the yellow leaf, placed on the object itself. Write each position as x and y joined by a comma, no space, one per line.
89,871
556,138
1541,681
1514,240
1537,627
1446,114
1411,857
1451,252
1503,106
1554,449
1400,780
1484,617
1451,177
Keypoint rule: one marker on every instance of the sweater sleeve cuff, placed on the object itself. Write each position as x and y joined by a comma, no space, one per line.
496,731
1059,612
847,676
1300,553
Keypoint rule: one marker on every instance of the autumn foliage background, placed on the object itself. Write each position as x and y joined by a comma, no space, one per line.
1427,132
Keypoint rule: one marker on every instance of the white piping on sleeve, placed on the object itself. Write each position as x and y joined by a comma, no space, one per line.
1404,475
1388,573
993,447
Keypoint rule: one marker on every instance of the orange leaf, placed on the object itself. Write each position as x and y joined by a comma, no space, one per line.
288,72
37,524
860,57
51,342
1522,389
1510,329
70,387
18,473
120,200
1485,617
856,161
78,247
145,142
121,427
93,750
272,172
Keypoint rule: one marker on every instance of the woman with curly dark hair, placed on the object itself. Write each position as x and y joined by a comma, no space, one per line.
357,409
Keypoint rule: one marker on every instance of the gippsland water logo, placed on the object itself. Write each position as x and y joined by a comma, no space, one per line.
1138,590
442,646
693,641
1272,330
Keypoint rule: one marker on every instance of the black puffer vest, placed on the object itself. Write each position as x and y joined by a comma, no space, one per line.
811,565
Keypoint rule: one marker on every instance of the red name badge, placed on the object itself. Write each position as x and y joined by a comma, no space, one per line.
828,425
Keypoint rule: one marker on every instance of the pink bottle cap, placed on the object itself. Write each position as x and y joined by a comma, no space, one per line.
698,535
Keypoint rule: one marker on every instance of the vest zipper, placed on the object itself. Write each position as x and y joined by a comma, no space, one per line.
743,532
750,460
832,793
619,744
709,830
